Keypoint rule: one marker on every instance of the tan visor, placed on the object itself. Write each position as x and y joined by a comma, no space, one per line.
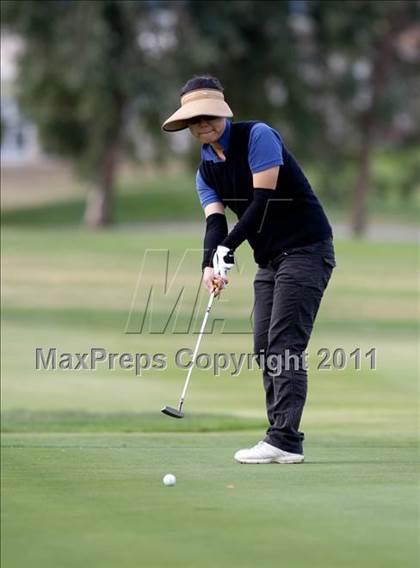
207,102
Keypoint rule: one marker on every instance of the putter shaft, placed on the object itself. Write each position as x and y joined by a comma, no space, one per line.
200,335
177,413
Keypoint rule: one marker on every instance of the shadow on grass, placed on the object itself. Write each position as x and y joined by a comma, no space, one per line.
19,421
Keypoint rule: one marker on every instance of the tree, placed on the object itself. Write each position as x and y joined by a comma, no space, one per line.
82,73
366,57
337,78
249,45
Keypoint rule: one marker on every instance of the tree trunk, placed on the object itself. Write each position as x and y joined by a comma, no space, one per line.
99,204
359,216
382,62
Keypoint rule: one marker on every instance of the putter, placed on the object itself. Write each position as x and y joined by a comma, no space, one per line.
177,412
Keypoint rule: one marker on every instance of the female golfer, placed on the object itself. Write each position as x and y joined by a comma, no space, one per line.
247,167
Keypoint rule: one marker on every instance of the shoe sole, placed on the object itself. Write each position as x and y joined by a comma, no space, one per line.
273,460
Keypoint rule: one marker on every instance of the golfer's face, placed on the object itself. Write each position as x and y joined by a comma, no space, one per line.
207,130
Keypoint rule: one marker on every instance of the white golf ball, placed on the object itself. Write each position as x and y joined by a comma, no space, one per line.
169,480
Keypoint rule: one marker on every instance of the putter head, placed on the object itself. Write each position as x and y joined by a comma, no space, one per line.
174,412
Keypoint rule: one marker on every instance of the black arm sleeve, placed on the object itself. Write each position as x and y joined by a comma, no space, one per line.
251,220
216,231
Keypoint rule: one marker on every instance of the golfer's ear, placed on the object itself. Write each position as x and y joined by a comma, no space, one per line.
267,178
215,207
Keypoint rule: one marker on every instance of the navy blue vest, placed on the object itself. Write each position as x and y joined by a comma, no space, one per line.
293,218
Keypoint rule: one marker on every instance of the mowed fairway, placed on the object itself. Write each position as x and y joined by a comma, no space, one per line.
84,452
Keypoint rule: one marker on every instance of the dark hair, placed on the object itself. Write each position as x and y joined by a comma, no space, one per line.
201,82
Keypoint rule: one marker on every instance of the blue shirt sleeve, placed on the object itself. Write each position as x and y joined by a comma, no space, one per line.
206,193
265,148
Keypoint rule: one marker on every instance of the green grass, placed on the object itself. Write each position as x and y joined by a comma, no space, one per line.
77,421
83,453
134,203
141,202
99,501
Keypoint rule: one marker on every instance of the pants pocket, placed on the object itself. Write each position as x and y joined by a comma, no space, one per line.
330,261
329,265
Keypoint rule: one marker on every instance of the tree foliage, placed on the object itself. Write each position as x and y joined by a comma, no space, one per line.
339,79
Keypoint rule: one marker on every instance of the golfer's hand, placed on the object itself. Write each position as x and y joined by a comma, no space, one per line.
223,260
213,281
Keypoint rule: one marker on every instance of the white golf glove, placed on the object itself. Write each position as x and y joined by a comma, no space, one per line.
223,261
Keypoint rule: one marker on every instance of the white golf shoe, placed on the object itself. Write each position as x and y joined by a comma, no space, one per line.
266,453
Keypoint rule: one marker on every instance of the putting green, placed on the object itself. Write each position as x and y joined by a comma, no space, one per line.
98,500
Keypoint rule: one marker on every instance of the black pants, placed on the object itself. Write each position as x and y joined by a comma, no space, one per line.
288,294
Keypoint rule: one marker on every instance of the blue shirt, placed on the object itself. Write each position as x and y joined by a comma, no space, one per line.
265,150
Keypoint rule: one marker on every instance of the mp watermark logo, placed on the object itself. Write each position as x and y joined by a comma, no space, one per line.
167,299
51,359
